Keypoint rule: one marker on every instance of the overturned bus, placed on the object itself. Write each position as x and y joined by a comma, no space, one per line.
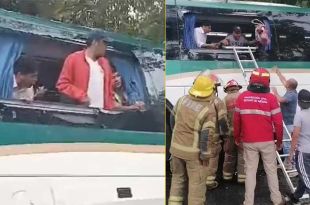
57,153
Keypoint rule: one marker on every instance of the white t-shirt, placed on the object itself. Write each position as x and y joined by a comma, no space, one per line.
200,37
23,93
95,90
302,120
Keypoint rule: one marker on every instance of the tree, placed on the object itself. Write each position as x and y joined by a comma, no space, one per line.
144,18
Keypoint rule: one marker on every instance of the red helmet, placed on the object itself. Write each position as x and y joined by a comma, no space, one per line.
232,83
260,76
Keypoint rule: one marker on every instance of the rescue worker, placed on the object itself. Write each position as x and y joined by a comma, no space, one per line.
257,113
199,118
233,155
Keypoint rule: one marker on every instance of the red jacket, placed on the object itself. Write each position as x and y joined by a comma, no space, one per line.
74,77
255,116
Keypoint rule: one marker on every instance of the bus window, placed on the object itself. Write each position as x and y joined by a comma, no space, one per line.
293,33
48,55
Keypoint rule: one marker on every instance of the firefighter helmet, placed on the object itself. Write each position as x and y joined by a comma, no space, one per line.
260,76
203,87
230,84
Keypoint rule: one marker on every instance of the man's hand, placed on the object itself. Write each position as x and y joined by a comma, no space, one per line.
279,146
274,90
85,101
133,107
40,92
290,157
275,69
141,105
239,144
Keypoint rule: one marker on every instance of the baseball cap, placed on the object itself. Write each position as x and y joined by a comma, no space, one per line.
304,99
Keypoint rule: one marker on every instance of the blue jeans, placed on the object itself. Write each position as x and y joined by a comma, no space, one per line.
302,161
287,145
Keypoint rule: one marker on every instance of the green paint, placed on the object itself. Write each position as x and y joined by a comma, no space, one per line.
239,6
56,29
19,133
183,66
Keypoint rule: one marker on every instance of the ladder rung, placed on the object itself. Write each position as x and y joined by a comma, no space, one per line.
284,155
305,196
286,140
248,70
246,61
290,171
243,51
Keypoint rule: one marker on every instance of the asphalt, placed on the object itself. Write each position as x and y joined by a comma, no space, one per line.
232,193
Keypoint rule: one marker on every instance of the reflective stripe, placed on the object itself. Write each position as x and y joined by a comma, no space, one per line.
255,111
209,124
184,148
241,176
205,153
176,198
175,202
228,177
237,109
265,74
275,111
255,73
222,113
210,178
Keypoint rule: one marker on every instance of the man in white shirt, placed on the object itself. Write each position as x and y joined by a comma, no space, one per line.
25,77
200,36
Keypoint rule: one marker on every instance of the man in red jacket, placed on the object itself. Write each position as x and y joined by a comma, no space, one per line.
87,76
257,113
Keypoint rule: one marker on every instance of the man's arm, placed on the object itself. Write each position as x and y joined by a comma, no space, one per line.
279,98
64,83
295,137
280,75
296,133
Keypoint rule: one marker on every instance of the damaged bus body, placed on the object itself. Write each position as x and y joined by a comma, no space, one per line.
289,49
56,153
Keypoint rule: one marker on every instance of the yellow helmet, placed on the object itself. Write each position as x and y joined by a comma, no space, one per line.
203,87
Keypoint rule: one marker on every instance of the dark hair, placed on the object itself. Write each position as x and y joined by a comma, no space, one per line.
113,67
96,36
237,29
304,99
25,65
205,23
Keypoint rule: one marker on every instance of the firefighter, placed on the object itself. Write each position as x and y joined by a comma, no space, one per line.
257,113
233,155
195,140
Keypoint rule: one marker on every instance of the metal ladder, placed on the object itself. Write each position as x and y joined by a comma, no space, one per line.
248,50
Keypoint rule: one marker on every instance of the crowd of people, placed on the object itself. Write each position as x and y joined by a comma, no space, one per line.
203,125
87,78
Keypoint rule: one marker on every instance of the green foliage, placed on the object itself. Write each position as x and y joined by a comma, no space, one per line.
143,18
